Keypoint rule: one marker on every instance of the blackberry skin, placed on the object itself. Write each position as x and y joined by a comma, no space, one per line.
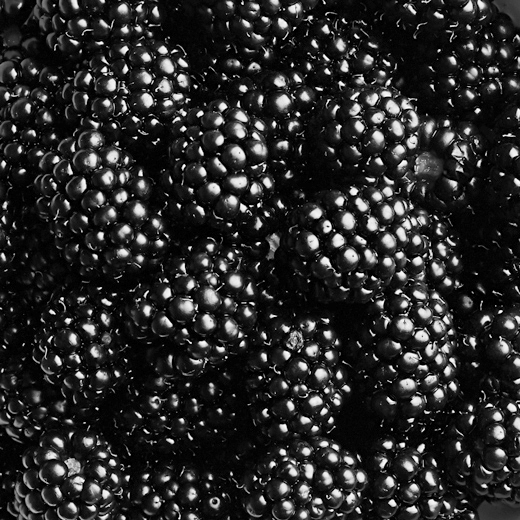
179,489
404,353
448,251
76,30
490,340
335,52
69,473
480,447
364,134
11,457
406,481
79,344
348,245
28,404
283,100
218,174
253,25
469,78
202,306
313,478
130,92
296,381
102,207
449,169
165,412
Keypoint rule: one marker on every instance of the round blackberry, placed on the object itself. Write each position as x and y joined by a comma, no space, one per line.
296,382
347,245
404,353
364,134
103,208
314,478
335,52
405,481
69,473
202,307
253,25
218,173
448,170
130,91
162,411
480,447
179,489
79,345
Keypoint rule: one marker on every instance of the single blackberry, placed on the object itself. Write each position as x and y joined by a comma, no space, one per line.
28,404
202,306
404,353
79,345
468,78
130,91
480,447
448,170
406,481
69,473
364,134
283,100
335,52
296,381
218,174
179,489
445,265
314,478
162,411
102,207
253,25
76,30
347,245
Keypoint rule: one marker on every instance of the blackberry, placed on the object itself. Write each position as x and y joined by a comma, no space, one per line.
69,473
314,478
102,208
79,345
131,91
253,25
218,174
164,412
449,171
404,354
202,307
10,466
179,489
334,53
406,480
348,245
364,134
296,382
480,447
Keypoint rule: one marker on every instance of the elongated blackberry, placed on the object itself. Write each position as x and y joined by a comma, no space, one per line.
180,488
202,306
347,245
296,381
130,92
69,473
164,412
79,345
404,353
314,478
334,52
102,207
480,447
218,173
405,481
364,134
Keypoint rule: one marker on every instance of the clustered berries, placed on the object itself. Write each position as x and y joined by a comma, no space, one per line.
259,259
